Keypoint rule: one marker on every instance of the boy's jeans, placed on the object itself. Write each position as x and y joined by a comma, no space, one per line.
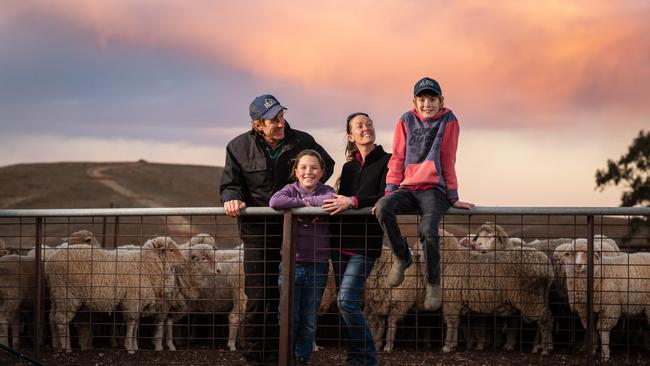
351,273
433,204
311,279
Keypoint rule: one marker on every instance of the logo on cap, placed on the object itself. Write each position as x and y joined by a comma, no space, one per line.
268,102
426,82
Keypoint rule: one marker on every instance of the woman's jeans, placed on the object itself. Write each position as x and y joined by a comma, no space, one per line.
311,279
433,204
351,272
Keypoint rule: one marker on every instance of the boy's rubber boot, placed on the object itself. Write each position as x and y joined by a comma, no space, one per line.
396,274
433,297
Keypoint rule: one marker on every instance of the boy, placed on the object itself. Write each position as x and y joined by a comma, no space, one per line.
421,175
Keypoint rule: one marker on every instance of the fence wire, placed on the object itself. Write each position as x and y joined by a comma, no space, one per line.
130,285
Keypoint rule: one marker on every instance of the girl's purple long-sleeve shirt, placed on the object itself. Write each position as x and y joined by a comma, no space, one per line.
312,244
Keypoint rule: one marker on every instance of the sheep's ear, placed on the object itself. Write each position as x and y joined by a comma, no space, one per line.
501,234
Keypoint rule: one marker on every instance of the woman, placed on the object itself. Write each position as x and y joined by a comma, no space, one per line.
356,240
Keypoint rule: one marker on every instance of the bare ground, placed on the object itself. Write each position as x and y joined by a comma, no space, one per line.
329,356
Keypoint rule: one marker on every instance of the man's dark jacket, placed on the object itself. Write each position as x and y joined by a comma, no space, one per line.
250,175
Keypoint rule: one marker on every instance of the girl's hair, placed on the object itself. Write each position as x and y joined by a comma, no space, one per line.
307,152
351,147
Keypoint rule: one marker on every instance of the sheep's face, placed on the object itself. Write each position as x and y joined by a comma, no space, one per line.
579,261
489,237
562,253
82,237
483,242
202,257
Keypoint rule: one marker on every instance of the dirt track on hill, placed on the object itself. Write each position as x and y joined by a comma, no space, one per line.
175,224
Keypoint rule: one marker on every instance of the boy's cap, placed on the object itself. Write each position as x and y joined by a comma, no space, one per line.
426,84
265,107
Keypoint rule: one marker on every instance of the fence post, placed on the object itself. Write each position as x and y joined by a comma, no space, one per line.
590,290
38,306
286,292
116,230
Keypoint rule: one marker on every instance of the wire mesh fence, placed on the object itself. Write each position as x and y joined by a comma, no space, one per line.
519,285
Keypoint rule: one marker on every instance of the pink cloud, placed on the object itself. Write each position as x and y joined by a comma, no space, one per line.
524,56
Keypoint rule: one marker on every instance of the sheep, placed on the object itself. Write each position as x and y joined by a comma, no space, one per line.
199,266
137,282
203,239
225,293
383,303
487,283
77,237
620,287
17,291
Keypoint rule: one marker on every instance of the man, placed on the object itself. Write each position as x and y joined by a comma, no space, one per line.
258,163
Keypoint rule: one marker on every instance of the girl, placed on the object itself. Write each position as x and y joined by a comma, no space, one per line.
356,240
312,248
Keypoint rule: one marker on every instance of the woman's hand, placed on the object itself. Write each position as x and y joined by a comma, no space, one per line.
337,204
463,205
232,207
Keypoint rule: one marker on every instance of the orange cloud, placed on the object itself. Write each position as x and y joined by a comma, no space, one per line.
535,56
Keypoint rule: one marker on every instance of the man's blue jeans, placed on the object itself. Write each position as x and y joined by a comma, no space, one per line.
311,279
433,204
351,272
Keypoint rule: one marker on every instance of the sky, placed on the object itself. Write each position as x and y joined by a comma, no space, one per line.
545,92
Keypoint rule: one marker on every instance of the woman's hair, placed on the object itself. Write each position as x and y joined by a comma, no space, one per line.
351,147
307,152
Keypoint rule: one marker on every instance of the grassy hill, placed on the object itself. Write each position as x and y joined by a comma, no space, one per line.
73,185
102,185
143,184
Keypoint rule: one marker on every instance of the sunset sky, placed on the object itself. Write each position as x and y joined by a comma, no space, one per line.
545,92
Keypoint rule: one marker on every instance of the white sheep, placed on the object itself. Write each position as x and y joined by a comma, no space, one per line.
200,265
621,287
17,291
136,283
224,292
486,283
77,237
385,304
203,239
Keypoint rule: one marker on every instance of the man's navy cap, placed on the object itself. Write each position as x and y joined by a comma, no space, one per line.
265,107
426,84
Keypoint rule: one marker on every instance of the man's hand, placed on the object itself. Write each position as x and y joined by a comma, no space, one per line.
463,205
232,207
337,204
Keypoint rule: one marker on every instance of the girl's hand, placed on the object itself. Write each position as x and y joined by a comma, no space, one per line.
337,204
463,205
306,202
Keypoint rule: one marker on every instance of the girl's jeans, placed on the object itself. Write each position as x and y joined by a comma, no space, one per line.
311,278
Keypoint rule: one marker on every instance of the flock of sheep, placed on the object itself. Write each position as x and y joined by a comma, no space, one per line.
486,273
160,279
491,274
